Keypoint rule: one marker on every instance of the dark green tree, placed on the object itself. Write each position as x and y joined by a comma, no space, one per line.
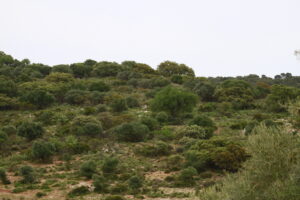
174,101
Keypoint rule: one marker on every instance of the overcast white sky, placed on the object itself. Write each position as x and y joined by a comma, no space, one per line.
214,37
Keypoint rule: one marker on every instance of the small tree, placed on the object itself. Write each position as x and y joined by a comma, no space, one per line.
38,97
88,169
135,182
174,101
28,174
99,86
30,130
110,165
132,132
186,176
119,105
3,177
86,125
43,151
100,184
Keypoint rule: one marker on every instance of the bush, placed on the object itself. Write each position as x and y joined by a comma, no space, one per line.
177,79
270,173
173,101
30,130
110,165
200,160
164,134
88,169
39,98
229,158
132,132
43,151
119,105
28,174
99,86
151,123
207,107
76,97
3,177
175,162
239,125
186,177
132,102
195,131
87,126
79,191
154,150
3,138
135,182
100,184
162,117
202,120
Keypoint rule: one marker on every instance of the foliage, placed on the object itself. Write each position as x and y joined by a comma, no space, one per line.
271,172
7,86
104,69
169,68
186,177
30,130
119,105
110,165
135,182
3,177
76,97
100,184
150,122
43,151
99,86
79,191
85,125
38,97
132,132
194,131
88,169
155,150
173,101
28,174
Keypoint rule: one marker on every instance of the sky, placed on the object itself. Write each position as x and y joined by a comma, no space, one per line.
214,37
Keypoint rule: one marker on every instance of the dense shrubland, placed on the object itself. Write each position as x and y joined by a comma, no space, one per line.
112,126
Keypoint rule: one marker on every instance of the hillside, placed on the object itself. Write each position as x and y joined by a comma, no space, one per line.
107,130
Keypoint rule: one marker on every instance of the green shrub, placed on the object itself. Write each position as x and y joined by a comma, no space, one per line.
119,188
3,138
207,107
28,174
43,151
272,171
164,134
174,101
30,130
132,132
162,117
154,150
100,184
3,177
85,125
150,122
202,120
76,97
195,131
241,124
186,177
88,169
229,158
135,182
174,162
39,98
177,79
79,191
99,86
110,165
200,160
119,105
132,102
